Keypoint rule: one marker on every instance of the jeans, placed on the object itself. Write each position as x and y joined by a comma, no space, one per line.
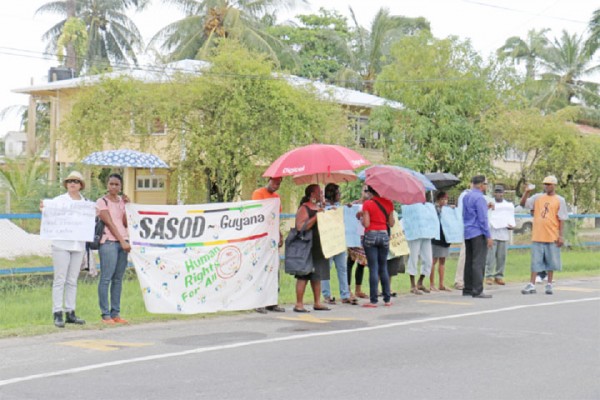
476,253
66,271
341,266
496,259
376,245
113,261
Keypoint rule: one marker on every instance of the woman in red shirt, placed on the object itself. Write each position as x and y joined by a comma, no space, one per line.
377,218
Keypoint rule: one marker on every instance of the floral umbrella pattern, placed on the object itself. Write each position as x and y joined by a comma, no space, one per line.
124,158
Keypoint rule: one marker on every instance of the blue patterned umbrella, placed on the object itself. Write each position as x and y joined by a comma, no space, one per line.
124,158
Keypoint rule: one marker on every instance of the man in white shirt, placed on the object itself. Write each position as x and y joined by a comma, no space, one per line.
502,221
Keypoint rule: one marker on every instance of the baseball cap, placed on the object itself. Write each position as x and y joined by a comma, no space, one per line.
499,189
550,179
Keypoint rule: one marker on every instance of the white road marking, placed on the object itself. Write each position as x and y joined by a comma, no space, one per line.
275,340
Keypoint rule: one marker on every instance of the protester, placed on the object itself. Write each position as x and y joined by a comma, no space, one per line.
114,247
421,224
549,216
270,192
310,205
67,256
357,255
477,238
496,258
440,248
332,200
377,217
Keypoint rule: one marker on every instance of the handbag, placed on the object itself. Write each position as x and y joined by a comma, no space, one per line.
298,255
98,233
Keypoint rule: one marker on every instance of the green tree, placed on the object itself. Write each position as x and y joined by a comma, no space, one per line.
206,21
447,90
112,35
372,46
566,63
320,42
224,123
24,178
528,50
593,41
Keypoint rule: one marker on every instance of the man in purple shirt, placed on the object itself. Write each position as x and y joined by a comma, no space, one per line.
477,238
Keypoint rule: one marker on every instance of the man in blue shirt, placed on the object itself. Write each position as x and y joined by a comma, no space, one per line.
477,237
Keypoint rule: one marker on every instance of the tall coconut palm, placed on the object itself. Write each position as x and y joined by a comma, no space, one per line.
206,21
567,62
113,38
593,42
528,50
372,45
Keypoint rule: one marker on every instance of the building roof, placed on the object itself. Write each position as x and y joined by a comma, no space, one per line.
169,71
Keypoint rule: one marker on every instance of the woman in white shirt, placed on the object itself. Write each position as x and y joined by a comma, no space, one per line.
67,256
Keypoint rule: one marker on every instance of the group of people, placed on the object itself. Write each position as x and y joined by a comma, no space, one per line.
68,255
484,249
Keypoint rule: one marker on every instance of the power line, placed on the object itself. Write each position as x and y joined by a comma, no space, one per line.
479,3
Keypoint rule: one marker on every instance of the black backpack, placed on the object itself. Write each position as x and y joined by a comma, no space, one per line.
98,232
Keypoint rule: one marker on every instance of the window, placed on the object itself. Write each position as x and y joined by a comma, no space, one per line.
155,127
514,155
358,126
150,182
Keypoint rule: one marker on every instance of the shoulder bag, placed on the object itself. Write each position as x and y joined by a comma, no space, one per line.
298,255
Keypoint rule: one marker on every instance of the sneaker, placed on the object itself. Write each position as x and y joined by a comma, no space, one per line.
275,308
119,320
549,288
108,321
538,279
529,289
489,281
499,281
261,310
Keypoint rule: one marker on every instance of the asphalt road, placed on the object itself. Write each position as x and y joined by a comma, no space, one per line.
437,346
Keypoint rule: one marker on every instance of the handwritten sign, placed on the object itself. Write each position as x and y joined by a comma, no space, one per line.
452,224
331,230
398,243
420,221
503,215
206,258
68,220
353,226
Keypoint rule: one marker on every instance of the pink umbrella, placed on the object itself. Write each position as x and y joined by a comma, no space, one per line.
326,177
316,159
395,184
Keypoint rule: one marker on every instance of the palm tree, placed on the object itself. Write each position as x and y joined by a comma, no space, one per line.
566,63
112,36
528,50
372,45
593,42
206,21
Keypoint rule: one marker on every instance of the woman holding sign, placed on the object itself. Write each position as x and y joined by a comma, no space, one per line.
67,256
113,250
310,205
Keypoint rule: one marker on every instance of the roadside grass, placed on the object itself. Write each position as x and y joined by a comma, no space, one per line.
25,305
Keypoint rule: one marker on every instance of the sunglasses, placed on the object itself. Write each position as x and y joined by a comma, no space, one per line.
73,181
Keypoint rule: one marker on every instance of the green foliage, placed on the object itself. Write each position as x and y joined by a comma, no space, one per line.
551,145
74,33
447,90
321,44
24,178
232,118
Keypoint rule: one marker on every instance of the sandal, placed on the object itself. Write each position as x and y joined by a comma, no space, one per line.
301,310
394,294
329,300
353,301
415,291
445,289
322,308
423,289
362,295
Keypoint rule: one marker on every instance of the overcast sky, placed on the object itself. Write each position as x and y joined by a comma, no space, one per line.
486,22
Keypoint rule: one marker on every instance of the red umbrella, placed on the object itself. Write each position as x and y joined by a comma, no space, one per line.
395,184
316,159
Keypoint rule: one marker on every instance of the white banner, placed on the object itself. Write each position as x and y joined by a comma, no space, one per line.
206,258
68,220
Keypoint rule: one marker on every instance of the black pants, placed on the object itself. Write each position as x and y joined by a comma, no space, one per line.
476,253
360,270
